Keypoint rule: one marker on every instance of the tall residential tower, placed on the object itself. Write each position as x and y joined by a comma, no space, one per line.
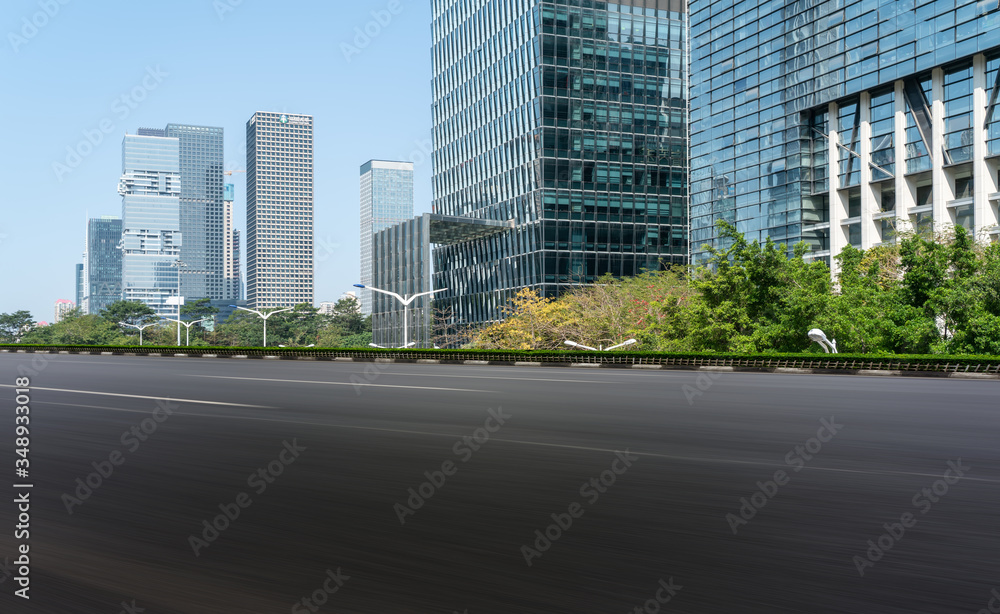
279,210
386,199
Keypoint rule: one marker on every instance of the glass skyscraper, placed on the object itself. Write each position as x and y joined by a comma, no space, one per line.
102,275
386,200
570,119
79,285
843,122
279,210
150,233
201,210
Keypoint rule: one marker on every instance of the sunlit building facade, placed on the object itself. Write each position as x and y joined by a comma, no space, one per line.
151,235
571,121
386,199
102,268
843,123
280,235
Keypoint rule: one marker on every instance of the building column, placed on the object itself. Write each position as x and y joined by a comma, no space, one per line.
904,199
869,204
942,190
838,238
985,183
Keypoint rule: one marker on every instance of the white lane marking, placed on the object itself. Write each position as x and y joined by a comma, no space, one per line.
299,381
139,396
695,459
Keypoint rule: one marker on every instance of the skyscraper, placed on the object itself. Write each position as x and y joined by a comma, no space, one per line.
570,120
102,278
279,210
201,210
386,199
231,258
843,123
150,233
79,285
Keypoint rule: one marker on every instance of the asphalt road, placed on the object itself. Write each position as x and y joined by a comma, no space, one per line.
331,518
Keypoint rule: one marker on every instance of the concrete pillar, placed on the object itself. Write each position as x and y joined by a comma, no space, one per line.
985,181
904,199
838,211
869,201
942,190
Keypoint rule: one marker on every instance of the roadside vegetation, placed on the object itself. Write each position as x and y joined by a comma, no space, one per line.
300,327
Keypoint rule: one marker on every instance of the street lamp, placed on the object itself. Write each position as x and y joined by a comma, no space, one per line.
141,328
830,347
265,317
406,306
599,348
187,325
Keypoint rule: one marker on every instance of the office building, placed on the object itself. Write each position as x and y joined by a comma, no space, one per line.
63,307
102,278
79,285
279,210
201,210
150,234
326,308
569,120
231,257
843,123
386,199
401,257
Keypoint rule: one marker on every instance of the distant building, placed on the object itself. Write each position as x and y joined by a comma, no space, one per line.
63,307
401,257
79,284
386,199
151,233
102,267
326,308
201,213
231,257
280,241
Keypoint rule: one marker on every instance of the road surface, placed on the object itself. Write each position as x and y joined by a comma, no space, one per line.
252,486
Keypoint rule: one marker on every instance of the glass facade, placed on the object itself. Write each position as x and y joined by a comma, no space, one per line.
569,118
79,285
841,106
279,210
102,283
401,264
151,238
386,200
201,214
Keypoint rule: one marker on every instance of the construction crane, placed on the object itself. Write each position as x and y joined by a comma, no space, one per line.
231,172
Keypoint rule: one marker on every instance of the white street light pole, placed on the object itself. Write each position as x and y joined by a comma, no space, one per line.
178,264
406,306
187,325
141,328
599,348
265,317
830,347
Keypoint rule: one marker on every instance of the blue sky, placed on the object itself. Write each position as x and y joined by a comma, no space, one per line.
207,62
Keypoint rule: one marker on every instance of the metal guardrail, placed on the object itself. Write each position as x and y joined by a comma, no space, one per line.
985,365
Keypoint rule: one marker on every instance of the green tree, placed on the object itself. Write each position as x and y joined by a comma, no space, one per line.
14,326
130,312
